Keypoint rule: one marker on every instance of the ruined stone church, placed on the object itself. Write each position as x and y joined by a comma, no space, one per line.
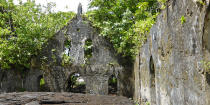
167,71
95,65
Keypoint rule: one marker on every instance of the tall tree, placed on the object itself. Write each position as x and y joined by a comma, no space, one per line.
124,22
24,28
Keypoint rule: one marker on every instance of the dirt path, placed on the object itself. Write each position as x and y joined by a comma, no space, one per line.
52,98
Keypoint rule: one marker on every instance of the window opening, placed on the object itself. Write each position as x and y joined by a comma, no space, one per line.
88,48
67,44
112,85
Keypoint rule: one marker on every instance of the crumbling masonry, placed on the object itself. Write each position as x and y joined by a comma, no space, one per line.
169,68
71,40
167,71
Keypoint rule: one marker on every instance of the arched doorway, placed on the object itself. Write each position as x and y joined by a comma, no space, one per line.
112,85
42,87
67,47
76,83
152,81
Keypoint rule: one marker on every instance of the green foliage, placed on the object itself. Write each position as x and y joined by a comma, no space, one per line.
88,48
67,43
163,3
42,82
24,28
201,2
82,65
148,103
206,66
112,80
73,80
54,58
124,22
137,103
66,60
183,20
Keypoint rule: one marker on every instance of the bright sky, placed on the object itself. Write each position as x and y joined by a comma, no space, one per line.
62,4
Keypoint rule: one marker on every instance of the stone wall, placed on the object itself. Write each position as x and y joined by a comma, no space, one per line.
169,69
10,81
96,69
13,80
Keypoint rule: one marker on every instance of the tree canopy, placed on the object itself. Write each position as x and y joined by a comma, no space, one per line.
124,22
24,28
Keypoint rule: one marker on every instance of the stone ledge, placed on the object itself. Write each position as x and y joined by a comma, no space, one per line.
49,98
